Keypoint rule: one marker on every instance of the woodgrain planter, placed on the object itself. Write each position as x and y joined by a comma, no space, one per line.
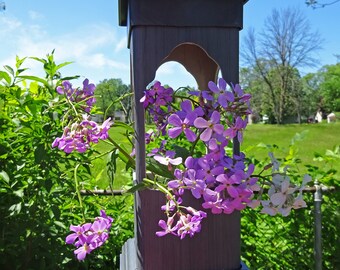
204,37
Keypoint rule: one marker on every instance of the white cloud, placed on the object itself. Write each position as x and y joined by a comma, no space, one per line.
34,15
89,46
8,25
99,60
122,44
167,68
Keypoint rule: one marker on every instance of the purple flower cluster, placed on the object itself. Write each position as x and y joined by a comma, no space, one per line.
281,198
86,94
180,223
223,183
89,236
79,135
157,102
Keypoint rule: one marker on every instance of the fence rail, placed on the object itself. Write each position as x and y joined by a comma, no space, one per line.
317,190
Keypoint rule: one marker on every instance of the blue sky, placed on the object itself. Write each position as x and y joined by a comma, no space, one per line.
87,33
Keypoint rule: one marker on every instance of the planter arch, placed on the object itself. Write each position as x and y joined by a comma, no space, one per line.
204,37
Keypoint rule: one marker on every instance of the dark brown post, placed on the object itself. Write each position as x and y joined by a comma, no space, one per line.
204,37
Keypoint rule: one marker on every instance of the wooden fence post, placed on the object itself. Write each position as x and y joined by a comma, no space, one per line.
204,37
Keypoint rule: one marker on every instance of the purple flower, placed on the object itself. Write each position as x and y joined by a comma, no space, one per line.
182,126
209,126
188,224
79,95
236,129
212,201
65,88
89,236
168,160
79,136
216,151
186,107
208,171
82,251
177,185
79,235
167,227
224,96
196,186
228,184
88,88
147,99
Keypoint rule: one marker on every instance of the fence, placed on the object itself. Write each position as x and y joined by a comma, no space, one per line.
295,242
292,242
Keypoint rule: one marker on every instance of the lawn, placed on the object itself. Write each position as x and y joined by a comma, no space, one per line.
315,138
99,171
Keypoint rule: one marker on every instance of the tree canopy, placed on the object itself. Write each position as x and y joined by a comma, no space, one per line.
111,99
274,56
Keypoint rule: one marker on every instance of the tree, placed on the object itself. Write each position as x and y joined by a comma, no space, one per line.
285,44
311,93
330,87
320,4
109,91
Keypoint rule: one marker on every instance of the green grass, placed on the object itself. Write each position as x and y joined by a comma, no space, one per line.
99,171
315,138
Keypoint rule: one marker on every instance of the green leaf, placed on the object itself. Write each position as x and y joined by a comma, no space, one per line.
69,78
4,176
181,152
20,70
19,61
34,87
5,76
15,209
34,78
153,166
19,193
39,59
139,186
123,125
60,224
9,69
63,64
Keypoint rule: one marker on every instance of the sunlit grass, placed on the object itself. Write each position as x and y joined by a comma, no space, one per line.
316,138
99,171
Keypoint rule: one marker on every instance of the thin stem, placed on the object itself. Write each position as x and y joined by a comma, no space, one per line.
122,151
101,155
71,104
78,191
160,187
188,98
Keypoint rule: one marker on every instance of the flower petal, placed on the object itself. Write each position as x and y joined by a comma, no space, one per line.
213,87
206,135
176,161
175,120
200,123
278,198
222,84
174,132
191,136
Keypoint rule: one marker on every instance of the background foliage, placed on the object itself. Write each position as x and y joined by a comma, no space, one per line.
288,242
38,198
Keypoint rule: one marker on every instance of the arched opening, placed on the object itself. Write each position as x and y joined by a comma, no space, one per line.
175,75
196,61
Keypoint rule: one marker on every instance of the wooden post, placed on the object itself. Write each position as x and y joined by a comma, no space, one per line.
204,37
